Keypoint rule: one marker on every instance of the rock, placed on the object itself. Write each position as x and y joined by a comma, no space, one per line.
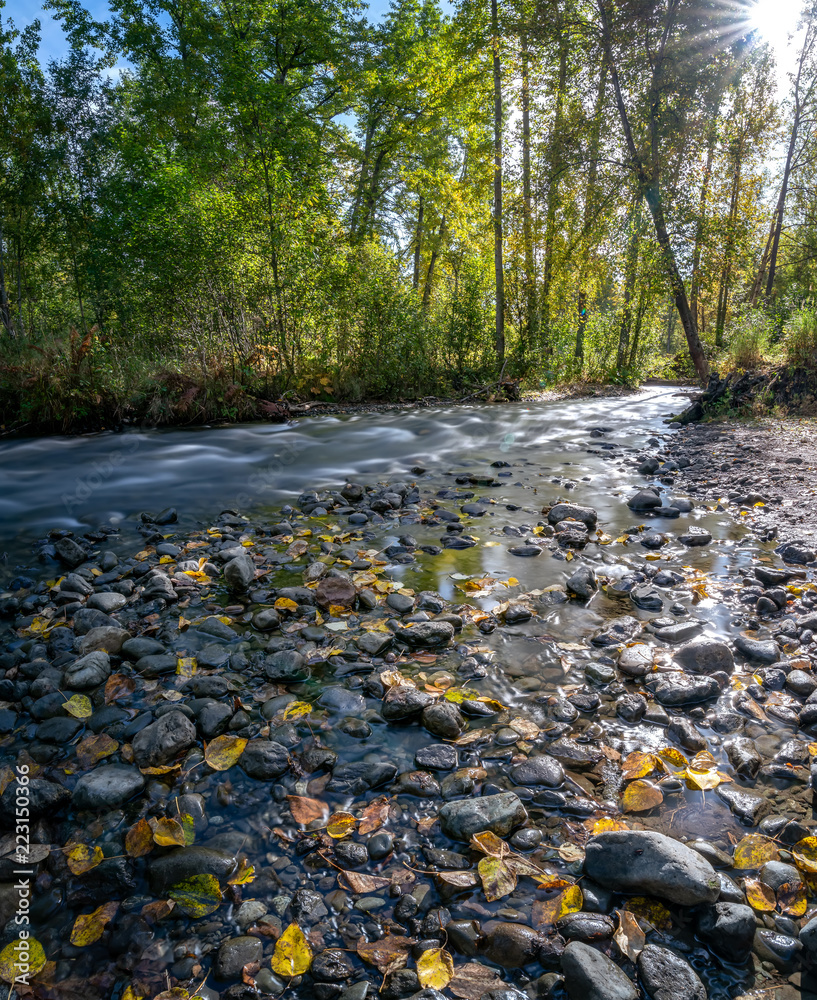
616,631
184,862
695,536
69,552
497,813
141,646
88,671
510,945
667,976
743,756
590,975
235,953
162,741
106,787
437,757
239,573
644,500
650,864
426,633
541,770
287,666
763,650
525,551
636,661
403,701
808,938
782,950
336,590
264,759
678,631
45,798
266,620
108,603
158,586
575,756
705,656
108,639
749,808
359,776
583,582
798,553
729,929
157,664
573,512
681,689
443,719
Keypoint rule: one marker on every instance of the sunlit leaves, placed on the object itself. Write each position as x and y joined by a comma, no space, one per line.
197,896
754,851
641,796
545,912
224,751
292,955
435,969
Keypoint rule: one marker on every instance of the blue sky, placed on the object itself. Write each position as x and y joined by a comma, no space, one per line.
52,46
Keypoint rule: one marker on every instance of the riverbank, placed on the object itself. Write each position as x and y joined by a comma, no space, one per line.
261,748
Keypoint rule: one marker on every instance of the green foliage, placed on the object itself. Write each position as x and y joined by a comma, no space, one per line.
800,339
749,337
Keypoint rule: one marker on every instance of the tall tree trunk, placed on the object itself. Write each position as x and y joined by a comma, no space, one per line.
418,239
695,280
555,168
639,320
757,283
590,198
650,184
623,353
531,311
726,273
499,336
362,178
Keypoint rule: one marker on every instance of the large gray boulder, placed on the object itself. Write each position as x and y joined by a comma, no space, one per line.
651,864
590,975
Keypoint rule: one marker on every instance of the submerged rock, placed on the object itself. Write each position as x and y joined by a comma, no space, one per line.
498,813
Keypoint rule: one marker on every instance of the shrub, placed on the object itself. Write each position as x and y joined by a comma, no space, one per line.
749,334
800,339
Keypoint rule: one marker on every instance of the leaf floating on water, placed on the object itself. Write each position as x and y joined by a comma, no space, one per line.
139,839
80,706
490,844
462,880
639,765
473,980
358,882
651,910
673,756
168,833
374,815
498,877
629,936
21,957
296,710
435,969
81,858
340,825
570,852
244,875
224,751
188,824
305,810
89,927
755,850
95,748
641,796
804,853
197,896
118,686
699,780
605,824
761,897
791,899
549,911
387,954
526,729
285,604
292,955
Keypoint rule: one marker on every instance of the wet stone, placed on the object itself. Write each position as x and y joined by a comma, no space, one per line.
704,656
541,770
728,928
591,975
235,953
436,757
666,975
681,689
498,813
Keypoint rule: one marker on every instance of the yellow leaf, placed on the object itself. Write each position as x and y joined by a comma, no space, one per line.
607,823
244,875
168,832
197,896
651,910
761,897
490,844
550,911
340,825
292,955
435,968
21,958
285,604
791,899
89,927
640,796
701,780
804,853
673,756
498,877
222,752
82,858
94,748
166,559
186,666
638,765
755,850
297,710
79,705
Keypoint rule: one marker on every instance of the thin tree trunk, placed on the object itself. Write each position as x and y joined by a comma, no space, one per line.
589,212
622,355
432,263
694,283
531,333
780,210
362,178
499,336
418,239
639,320
726,274
649,182
5,313
555,171
757,284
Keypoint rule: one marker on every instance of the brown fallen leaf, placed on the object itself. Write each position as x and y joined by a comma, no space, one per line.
139,839
305,810
118,686
359,882
462,880
387,954
473,980
374,815
94,748
791,899
82,858
629,936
